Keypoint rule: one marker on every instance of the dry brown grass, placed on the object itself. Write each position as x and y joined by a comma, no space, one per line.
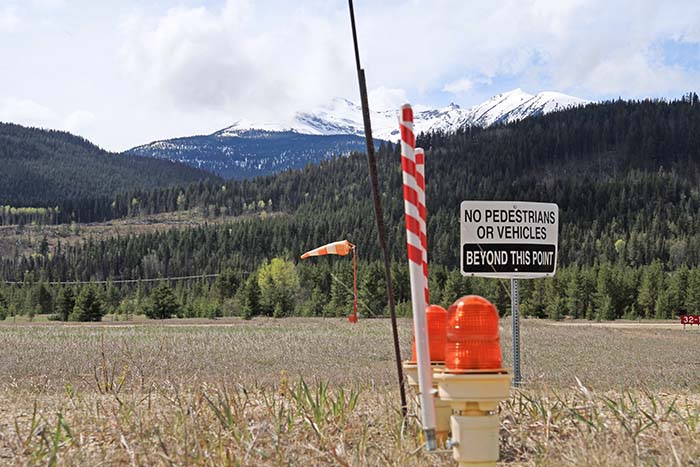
322,392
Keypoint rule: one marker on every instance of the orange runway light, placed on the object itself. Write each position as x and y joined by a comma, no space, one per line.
436,318
472,335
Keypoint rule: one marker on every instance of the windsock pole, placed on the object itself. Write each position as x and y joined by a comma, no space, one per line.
417,278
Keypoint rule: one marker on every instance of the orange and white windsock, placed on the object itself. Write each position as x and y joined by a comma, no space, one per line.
416,272
420,180
341,248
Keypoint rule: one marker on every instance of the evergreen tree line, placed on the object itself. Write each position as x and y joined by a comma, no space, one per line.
636,220
281,288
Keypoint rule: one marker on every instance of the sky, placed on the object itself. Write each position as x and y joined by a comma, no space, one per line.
125,72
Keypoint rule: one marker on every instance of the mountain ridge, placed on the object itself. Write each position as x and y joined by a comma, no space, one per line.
48,167
342,116
248,148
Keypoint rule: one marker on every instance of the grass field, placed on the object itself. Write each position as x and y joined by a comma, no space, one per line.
323,392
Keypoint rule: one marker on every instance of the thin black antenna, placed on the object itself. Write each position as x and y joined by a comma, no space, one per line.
379,213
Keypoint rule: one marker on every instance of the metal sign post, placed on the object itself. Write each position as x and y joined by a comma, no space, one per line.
515,315
509,240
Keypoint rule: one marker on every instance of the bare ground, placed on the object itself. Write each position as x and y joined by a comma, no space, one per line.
26,239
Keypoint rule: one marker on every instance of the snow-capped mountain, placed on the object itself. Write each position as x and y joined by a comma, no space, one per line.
248,148
343,117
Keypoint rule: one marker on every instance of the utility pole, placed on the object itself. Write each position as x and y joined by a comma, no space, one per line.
378,211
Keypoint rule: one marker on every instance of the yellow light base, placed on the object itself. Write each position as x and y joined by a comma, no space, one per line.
484,389
473,397
476,439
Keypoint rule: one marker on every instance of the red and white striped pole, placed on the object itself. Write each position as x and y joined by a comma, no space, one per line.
420,179
417,277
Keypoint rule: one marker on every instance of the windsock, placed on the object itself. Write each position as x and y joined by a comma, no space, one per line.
341,248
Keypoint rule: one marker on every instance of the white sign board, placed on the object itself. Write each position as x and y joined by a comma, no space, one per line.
508,239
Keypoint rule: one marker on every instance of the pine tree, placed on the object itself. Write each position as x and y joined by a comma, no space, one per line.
602,301
111,298
605,308
575,292
226,285
692,295
645,297
340,294
402,284
44,300
532,301
662,307
456,286
163,303
65,303
250,297
678,283
553,300
314,305
87,306
373,287
4,308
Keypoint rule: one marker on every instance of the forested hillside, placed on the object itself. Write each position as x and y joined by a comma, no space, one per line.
625,176
251,153
46,168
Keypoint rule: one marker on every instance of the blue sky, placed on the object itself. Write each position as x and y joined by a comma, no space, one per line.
123,73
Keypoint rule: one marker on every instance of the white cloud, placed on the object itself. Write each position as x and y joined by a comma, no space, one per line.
224,60
78,122
26,111
30,113
49,4
459,86
9,18
383,98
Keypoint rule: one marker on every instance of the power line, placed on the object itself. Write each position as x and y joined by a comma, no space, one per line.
126,281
